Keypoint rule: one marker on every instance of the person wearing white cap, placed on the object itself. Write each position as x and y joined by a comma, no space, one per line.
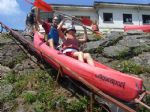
71,43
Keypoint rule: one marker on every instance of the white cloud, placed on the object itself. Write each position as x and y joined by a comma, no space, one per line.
9,7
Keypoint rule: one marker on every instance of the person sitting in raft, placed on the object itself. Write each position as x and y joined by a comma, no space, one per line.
95,28
71,43
53,36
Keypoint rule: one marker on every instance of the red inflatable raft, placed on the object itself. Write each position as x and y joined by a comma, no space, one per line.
112,82
144,28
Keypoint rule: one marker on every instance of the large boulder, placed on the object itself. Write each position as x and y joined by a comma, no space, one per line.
135,40
134,32
142,59
115,51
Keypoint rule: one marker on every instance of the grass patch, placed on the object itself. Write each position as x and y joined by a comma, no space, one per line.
97,36
29,97
130,67
77,106
123,53
139,50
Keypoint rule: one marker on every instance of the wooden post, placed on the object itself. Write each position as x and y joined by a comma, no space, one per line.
90,105
59,74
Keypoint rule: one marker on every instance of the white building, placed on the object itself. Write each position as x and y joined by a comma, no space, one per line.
109,15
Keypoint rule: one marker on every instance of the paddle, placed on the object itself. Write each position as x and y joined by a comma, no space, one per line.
86,21
41,5
48,8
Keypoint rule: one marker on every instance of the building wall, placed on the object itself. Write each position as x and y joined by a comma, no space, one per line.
118,17
92,14
143,12
97,14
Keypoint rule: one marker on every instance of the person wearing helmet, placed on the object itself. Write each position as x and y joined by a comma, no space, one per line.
71,43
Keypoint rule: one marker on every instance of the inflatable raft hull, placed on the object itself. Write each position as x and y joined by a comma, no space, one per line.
144,28
112,82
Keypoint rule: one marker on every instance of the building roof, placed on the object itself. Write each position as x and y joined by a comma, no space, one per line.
129,2
71,2
92,2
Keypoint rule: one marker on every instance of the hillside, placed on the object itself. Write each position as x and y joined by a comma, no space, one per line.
28,85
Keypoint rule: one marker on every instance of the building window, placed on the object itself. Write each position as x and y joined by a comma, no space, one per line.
108,17
146,19
127,18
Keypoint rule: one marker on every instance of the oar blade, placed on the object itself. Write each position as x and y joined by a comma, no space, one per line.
86,21
43,5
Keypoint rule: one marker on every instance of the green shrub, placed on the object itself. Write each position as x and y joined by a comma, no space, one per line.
77,106
39,107
45,95
11,77
123,53
57,102
130,67
29,97
139,50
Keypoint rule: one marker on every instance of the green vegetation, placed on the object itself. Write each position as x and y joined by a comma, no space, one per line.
139,50
123,54
97,36
38,90
130,67
77,106
29,97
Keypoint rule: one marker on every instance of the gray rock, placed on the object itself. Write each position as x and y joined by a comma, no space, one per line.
111,39
25,64
142,59
5,90
103,59
4,70
91,45
135,41
115,51
7,107
146,80
113,35
135,32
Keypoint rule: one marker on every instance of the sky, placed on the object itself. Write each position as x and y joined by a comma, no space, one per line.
13,12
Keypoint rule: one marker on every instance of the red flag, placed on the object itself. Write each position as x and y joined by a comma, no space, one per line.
86,21
43,5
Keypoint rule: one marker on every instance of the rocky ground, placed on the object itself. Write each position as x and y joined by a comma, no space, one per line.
26,87
127,52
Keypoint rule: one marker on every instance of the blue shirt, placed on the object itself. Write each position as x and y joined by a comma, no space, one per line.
53,34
